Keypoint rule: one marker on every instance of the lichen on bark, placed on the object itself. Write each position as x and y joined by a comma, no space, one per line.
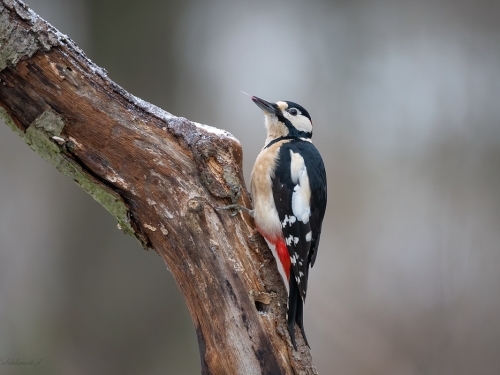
39,137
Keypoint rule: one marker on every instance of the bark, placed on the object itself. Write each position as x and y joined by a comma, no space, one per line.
161,176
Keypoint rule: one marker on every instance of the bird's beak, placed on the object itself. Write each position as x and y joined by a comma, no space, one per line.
266,106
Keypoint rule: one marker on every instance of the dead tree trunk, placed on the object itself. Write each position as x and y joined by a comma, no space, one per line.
161,176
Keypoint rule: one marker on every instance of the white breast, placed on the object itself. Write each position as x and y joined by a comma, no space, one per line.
265,213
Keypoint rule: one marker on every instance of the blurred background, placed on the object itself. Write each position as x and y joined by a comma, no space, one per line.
405,99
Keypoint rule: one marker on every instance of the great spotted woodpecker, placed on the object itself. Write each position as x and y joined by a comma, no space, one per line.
288,188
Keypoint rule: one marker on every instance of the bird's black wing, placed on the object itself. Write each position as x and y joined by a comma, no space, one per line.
301,236
300,220
317,180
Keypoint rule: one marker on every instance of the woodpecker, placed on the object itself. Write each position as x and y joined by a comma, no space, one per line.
288,186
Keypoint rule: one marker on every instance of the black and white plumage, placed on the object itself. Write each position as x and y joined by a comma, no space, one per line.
289,197
299,191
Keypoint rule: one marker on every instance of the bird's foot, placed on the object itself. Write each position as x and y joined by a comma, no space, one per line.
236,207
235,197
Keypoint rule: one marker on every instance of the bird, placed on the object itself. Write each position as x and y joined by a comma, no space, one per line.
289,194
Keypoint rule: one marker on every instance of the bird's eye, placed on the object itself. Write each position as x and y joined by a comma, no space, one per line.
293,111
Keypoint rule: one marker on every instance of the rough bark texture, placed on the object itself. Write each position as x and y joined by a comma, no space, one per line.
161,177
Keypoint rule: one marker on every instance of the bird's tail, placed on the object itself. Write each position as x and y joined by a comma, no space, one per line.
295,311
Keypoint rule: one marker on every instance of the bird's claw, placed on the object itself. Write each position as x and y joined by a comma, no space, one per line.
229,207
236,207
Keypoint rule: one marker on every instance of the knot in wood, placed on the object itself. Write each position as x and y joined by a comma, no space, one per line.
214,246
194,205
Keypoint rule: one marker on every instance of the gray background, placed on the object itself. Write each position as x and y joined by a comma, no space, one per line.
405,99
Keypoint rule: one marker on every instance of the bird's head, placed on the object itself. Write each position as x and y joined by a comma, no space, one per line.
285,119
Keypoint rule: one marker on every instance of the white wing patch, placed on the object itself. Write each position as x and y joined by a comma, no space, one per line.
288,220
302,191
291,239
